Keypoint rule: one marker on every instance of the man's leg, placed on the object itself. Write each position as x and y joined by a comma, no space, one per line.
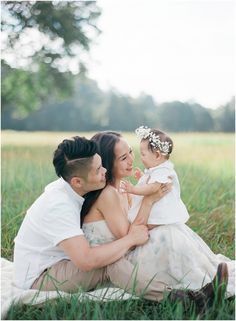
65,276
133,279
122,274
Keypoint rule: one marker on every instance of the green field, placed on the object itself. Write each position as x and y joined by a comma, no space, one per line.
205,165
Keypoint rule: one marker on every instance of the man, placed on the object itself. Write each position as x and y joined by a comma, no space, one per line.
51,251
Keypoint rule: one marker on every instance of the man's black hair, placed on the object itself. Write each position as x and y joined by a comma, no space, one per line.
73,157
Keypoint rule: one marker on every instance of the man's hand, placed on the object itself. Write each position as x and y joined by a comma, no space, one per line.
139,234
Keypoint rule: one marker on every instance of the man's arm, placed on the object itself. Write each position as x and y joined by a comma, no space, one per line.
87,258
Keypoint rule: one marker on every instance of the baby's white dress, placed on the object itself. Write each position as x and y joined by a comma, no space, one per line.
170,209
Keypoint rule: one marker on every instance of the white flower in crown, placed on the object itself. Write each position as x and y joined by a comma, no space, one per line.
165,147
143,132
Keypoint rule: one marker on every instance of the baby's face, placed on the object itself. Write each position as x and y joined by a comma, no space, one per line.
148,158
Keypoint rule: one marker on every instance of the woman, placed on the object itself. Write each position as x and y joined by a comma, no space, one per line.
174,253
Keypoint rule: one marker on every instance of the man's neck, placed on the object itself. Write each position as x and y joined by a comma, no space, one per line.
78,191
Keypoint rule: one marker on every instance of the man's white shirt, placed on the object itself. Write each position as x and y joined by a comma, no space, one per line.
53,217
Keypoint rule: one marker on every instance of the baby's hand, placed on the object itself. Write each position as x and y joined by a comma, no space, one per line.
138,173
126,187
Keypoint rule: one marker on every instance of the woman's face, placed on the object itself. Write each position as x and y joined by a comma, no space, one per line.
123,164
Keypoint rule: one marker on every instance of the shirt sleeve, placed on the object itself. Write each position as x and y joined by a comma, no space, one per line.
160,175
61,222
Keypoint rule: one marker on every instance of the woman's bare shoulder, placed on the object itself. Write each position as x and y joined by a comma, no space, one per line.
109,193
109,190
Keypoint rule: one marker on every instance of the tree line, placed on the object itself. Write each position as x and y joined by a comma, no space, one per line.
40,91
91,109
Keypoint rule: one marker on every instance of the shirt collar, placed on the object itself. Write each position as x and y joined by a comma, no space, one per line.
78,198
166,164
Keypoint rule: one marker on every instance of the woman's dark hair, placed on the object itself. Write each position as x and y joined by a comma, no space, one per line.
74,156
106,142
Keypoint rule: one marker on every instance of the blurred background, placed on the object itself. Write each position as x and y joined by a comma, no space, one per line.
98,65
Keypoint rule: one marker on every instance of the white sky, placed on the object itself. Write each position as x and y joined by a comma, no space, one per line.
170,49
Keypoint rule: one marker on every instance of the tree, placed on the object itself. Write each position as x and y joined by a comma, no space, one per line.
225,117
43,43
202,117
145,111
24,91
176,116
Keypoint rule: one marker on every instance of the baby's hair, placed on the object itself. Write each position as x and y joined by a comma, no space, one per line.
164,138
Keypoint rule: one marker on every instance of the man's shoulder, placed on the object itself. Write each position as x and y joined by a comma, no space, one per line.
55,185
56,189
55,194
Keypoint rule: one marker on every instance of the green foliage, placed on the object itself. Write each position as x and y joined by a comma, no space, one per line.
61,19
27,90
40,70
203,121
89,109
225,117
176,116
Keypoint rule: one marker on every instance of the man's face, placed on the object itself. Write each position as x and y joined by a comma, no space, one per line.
96,178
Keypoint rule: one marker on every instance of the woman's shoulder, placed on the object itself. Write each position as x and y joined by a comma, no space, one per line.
108,197
109,192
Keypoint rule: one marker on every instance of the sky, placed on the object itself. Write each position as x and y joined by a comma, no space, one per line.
170,49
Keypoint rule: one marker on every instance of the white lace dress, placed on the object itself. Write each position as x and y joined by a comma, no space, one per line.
174,254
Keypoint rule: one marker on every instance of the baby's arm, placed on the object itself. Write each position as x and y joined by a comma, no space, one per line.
144,190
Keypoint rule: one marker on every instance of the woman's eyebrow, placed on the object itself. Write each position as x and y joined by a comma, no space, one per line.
122,156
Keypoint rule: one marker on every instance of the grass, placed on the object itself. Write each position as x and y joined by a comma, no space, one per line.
205,165
116,310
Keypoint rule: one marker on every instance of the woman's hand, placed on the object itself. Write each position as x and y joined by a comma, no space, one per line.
162,191
139,234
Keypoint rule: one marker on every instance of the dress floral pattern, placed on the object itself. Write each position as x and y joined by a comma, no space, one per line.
174,254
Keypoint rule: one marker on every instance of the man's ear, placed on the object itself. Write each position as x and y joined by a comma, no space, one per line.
77,182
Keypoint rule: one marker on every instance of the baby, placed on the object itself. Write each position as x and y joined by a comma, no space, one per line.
155,148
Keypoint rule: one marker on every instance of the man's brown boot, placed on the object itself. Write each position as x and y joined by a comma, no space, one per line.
211,293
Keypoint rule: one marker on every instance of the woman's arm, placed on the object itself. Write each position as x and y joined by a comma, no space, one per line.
110,206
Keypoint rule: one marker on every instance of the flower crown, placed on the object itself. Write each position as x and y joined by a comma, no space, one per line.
143,132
